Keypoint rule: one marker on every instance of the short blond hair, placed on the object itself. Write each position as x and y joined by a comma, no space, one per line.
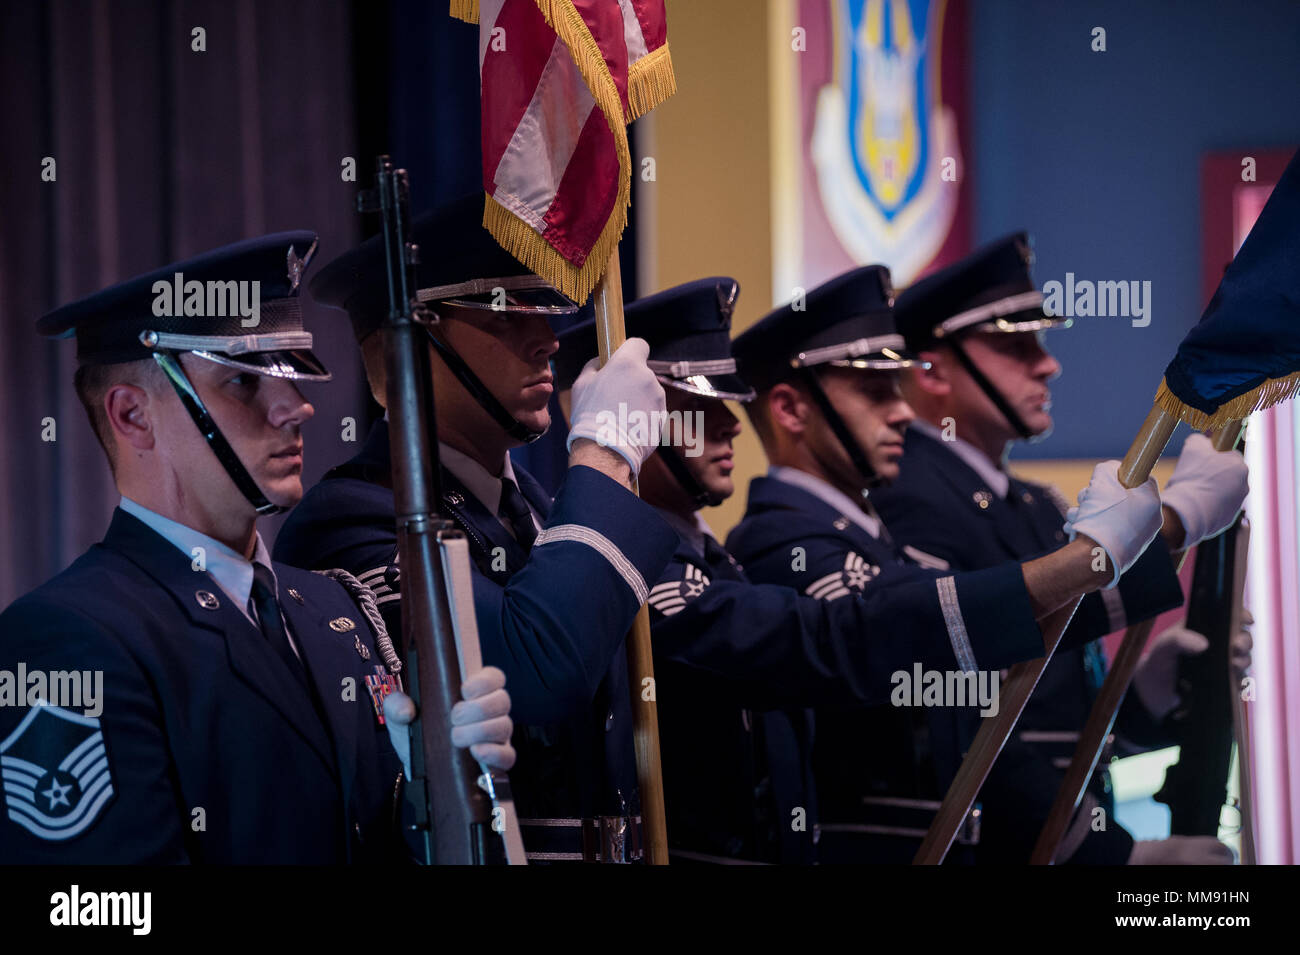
91,383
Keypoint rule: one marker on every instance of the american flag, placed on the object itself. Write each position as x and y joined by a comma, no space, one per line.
560,80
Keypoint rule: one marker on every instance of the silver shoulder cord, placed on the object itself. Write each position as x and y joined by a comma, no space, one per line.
365,598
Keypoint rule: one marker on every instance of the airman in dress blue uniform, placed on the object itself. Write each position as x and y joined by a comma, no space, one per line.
228,708
556,583
741,662
832,422
980,325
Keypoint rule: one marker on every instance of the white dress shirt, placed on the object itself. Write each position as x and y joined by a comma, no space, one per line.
232,572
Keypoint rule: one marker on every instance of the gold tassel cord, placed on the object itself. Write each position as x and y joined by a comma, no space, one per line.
524,242
466,10
650,81
1265,395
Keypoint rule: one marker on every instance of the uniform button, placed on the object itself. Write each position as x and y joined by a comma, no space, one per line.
982,498
840,523
609,721
1027,498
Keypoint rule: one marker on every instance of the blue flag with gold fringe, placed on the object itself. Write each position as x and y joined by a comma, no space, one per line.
1244,353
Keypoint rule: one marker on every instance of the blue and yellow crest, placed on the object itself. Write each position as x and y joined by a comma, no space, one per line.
882,135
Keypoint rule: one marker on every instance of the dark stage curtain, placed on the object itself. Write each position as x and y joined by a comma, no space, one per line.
162,152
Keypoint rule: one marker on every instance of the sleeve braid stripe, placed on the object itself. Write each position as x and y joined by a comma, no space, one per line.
955,623
578,534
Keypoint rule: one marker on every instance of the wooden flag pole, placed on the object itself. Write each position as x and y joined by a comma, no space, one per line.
610,333
1019,684
1101,720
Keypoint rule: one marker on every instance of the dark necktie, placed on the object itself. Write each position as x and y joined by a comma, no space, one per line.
267,606
514,509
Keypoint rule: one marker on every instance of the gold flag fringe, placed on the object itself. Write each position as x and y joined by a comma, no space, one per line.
650,81
466,10
519,238
524,242
1271,392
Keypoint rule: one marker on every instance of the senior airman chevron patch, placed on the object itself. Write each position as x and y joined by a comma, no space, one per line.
672,595
852,578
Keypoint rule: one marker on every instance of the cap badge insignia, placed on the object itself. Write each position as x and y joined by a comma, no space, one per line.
299,265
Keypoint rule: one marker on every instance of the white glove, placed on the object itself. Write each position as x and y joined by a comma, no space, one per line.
399,714
1181,850
481,721
1156,678
1207,488
1122,520
615,406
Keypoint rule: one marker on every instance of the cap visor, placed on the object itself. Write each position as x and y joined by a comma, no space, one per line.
728,387
1031,320
882,360
297,364
529,301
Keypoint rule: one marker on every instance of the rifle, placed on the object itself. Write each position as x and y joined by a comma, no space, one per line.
458,808
1195,787
1105,708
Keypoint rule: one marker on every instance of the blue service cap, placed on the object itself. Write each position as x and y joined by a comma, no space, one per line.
847,322
237,305
459,263
992,289
688,330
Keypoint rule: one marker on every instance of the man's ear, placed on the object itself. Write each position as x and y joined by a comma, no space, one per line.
935,380
129,413
788,407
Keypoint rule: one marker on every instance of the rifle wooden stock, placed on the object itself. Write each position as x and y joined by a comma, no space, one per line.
610,334
1101,720
1019,684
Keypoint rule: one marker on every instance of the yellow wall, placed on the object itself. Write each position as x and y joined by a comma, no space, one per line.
708,212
